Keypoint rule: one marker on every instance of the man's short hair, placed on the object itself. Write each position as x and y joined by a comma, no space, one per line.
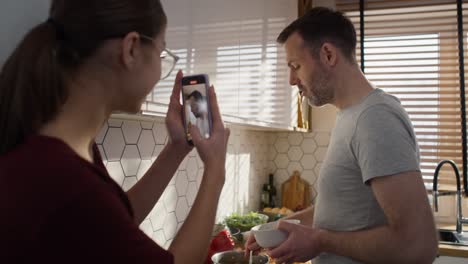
321,24
195,94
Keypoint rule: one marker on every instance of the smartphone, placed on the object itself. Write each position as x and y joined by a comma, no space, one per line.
196,105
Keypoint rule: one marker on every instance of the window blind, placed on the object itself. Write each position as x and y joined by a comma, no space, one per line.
234,42
411,51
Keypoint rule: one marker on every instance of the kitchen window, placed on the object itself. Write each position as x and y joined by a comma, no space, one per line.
410,50
234,42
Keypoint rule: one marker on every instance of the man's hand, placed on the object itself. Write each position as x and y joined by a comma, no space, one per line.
251,245
302,244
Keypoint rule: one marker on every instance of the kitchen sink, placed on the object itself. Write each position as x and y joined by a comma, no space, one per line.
451,237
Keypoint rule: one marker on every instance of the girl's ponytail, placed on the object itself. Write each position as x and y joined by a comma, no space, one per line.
31,86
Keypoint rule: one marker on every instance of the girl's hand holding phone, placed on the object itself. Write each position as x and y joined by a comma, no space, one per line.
174,121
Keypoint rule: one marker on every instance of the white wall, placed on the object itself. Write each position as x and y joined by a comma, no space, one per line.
129,147
17,17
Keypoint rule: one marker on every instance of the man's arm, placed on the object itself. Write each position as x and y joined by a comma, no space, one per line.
306,216
410,234
408,237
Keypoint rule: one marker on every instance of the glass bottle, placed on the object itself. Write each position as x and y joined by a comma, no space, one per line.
271,192
265,197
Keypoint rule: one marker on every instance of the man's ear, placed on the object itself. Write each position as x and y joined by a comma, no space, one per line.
130,50
329,54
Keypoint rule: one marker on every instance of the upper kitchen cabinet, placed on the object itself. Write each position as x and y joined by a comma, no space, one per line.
234,42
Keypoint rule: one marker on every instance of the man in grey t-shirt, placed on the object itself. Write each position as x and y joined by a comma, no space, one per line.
371,205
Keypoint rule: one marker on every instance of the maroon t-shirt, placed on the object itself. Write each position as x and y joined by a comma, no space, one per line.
56,207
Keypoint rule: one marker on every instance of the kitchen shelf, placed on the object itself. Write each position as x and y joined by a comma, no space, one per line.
230,121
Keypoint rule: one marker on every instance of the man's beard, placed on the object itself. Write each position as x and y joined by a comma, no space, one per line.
321,90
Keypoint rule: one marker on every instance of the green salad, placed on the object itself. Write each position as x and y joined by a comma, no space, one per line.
245,222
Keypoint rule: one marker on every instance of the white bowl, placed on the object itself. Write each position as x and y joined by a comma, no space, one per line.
268,235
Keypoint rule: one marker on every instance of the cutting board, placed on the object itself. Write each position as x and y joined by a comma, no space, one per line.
295,193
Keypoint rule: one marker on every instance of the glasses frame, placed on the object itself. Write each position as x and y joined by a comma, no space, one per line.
170,53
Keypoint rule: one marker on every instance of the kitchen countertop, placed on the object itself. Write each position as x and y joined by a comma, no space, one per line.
444,250
449,250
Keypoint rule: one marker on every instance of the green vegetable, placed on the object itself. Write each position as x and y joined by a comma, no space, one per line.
245,222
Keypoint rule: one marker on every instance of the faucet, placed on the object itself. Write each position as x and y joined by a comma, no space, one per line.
460,219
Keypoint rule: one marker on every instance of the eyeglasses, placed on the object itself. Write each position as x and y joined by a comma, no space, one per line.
168,63
168,60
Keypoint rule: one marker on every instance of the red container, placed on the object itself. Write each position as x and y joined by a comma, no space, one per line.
221,242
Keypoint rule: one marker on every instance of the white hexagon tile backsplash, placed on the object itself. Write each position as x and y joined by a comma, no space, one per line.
129,147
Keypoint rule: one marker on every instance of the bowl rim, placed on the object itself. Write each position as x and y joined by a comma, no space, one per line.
264,257
256,228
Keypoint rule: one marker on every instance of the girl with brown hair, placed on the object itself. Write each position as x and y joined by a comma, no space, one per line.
66,77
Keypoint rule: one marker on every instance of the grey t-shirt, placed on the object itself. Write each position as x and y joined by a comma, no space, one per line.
371,139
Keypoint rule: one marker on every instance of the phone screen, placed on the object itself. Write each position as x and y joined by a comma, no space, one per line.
196,106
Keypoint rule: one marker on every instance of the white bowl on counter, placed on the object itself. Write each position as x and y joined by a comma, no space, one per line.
268,235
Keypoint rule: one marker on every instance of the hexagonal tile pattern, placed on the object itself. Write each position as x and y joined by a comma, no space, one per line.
128,183
102,153
309,176
309,135
295,153
183,164
253,154
146,144
308,162
170,225
130,160
295,139
282,161
156,152
160,133
320,154
131,131
173,180
191,194
134,145
193,153
192,169
317,169
159,237
271,138
146,228
114,144
170,198
158,215
181,183
272,154
115,171
182,209
313,194
231,140
200,161
294,166
282,145
179,225
200,177
282,134
102,133
115,123
281,176
271,166
309,146
168,244
146,125
144,166
322,139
